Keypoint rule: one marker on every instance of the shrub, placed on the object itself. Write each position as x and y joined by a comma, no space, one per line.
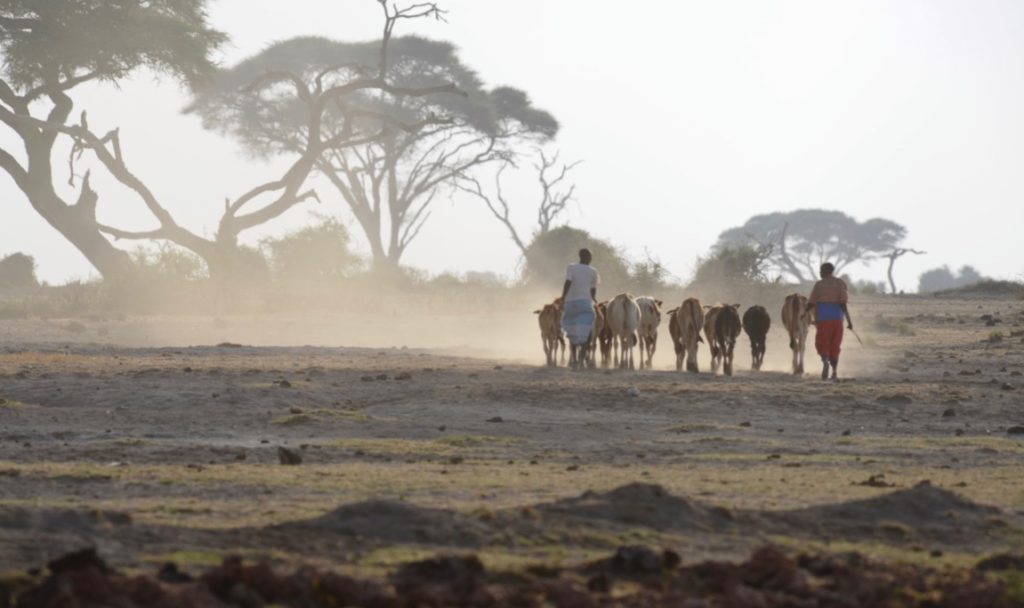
18,270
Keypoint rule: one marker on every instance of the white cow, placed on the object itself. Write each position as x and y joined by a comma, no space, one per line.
624,319
650,319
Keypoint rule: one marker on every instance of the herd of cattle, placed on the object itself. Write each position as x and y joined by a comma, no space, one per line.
626,322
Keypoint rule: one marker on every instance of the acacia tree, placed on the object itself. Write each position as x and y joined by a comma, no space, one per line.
49,49
800,241
390,183
314,100
553,201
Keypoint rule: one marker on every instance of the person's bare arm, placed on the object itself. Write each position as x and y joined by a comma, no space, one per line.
593,293
849,321
565,289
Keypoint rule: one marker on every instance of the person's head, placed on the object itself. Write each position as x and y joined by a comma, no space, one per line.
827,269
585,256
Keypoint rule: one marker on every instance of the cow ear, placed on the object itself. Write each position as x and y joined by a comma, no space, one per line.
736,306
659,303
536,312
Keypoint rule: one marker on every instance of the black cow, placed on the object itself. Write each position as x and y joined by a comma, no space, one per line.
727,329
756,323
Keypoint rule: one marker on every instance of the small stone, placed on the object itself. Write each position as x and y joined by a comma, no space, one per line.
959,433
1007,386
745,424
496,419
288,457
1015,430
187,370
573,467
949,413
382,376
456,460
442,427
847,432
404,376
295,410
633,391
284,384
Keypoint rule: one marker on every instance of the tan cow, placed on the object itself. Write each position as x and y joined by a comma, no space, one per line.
650,319
797,320
624,319
684,327
550,320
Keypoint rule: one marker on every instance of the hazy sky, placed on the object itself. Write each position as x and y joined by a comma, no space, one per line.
689,116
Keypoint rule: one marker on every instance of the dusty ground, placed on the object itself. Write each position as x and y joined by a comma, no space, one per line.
142,437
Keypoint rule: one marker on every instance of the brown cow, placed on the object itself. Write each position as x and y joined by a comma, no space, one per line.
550,321
756,323
684,327
796,319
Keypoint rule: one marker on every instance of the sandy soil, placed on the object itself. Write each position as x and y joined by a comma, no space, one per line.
142,437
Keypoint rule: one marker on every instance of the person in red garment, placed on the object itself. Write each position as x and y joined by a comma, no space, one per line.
828,299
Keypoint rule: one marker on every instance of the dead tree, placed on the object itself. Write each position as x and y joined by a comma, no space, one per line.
894,255
553,201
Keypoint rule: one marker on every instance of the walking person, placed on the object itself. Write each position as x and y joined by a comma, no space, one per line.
829,299
579,294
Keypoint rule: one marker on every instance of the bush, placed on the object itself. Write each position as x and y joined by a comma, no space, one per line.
940,279
742,264
17,271
318,252
169,262
548,255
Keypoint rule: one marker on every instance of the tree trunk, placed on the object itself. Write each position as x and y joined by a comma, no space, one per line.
80,229
892,282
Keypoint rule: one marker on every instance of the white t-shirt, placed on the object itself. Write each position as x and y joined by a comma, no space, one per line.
584,277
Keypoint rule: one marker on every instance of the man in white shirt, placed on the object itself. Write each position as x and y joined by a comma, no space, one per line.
578,296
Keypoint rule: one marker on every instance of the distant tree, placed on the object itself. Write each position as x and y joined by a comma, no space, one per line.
50,48
742,264
892,256
555,195
938,279
322,251
388,184
548,255
802,240
18,270
647,276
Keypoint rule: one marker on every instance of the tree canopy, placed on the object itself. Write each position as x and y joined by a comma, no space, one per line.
800,241
47,42
49,47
